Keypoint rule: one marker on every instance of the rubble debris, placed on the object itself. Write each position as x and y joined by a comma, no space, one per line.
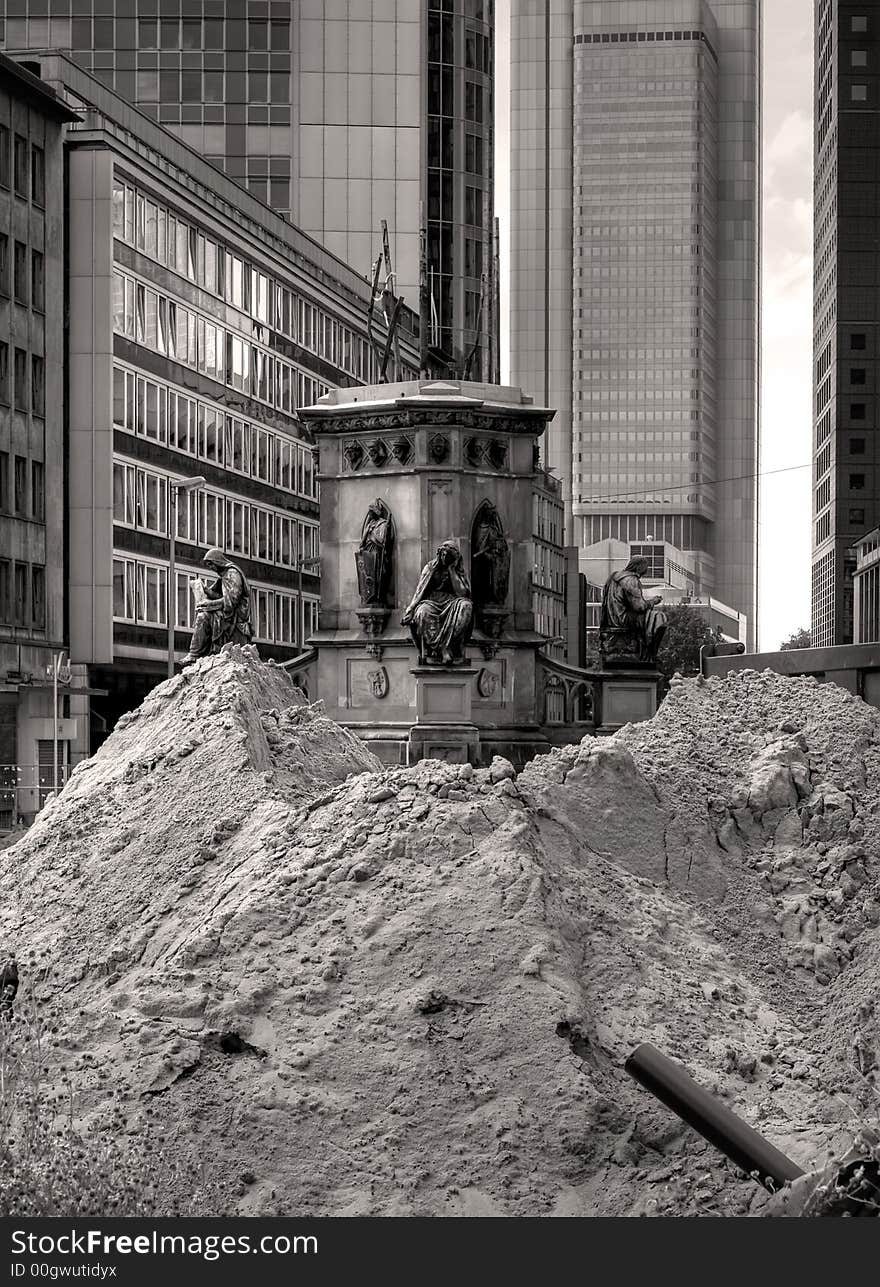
351,980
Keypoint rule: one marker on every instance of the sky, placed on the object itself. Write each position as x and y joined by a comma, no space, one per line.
787,304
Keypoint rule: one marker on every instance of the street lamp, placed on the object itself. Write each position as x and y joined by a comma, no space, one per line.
176,485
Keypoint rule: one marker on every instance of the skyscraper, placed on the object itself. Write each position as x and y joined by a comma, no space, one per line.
337,113
846,305
635,170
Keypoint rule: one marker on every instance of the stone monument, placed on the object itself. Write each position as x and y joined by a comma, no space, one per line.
631,628
426,644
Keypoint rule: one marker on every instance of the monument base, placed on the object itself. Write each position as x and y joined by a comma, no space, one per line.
443,729
626,699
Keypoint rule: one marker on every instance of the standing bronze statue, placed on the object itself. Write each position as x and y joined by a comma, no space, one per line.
441,613
490,557
374,557
223,608
631,627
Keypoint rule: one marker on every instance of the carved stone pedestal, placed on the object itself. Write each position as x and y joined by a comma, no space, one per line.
626,698
443,728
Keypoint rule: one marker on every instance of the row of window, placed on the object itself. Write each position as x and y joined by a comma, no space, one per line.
210,518
28,496
26,391
22,594
22,166
170,240
153,410
166,326
193,85
140,597
28,275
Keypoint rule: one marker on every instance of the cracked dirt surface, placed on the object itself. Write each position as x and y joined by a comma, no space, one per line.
349,990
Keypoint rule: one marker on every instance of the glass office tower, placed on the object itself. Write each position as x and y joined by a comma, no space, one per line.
635,273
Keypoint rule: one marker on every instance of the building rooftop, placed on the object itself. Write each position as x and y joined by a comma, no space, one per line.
19,80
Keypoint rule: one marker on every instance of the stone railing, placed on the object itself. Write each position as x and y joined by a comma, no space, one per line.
302,670
567,695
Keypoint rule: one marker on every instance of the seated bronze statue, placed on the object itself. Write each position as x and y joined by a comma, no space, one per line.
631,626
441,613
223,609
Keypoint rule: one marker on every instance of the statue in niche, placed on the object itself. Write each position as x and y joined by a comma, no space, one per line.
373,558
490,557
631,626
441,613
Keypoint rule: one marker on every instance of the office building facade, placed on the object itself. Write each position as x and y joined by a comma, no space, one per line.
199,322
846,307
337,113
33,629
635,173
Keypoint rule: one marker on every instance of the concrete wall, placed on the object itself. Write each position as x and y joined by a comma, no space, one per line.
855,667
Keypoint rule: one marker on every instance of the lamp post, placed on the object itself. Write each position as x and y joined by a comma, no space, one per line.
176,485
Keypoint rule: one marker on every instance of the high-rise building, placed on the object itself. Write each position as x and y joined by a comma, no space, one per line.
33,627
846,305
635,200
337,113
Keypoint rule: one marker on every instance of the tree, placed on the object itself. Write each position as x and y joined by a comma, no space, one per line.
687,630
800,639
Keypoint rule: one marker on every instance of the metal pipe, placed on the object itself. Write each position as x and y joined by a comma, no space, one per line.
675,1088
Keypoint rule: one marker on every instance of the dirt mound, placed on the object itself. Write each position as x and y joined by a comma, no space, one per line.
354,990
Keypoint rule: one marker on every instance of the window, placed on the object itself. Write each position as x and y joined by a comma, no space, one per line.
4,372
38,491
38,176
147,86
21,380
4,156
191,33
20,272
258,35
857,517
20,498
20,604
4,480
857,375
151,595
4,263
237,526
5,605
148,33
857,410
21,166
152,499
858,24
473,206
213,91
38,386
124,494
213,35
858,340
38,283
123,590
654,555
857,446
473,154
38,597
858,93
857,482
858,58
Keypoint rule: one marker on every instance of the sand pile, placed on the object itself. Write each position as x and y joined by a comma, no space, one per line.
351,990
